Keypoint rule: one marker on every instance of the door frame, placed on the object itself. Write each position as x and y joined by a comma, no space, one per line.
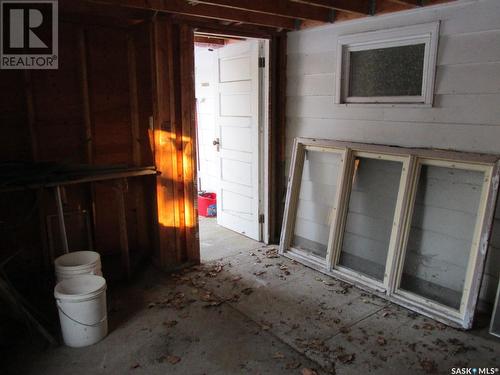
264,146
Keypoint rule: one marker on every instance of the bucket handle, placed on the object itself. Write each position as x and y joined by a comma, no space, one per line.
76,321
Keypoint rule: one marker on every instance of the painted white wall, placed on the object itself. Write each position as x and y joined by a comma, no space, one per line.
206,92
466,111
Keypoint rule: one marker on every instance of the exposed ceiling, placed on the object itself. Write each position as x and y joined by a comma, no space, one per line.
265,15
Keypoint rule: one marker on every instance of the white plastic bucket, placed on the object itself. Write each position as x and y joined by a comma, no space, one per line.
81,302
76,264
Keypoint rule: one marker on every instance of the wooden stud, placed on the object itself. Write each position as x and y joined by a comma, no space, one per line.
166,229
188,142
120,186
84,82
134,101
30,109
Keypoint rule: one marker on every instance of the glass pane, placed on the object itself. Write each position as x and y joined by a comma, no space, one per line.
441,233
370,216
394,71
316,200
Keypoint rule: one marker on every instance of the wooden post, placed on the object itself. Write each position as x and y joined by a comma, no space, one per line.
176,88
166,251
277,140
188,141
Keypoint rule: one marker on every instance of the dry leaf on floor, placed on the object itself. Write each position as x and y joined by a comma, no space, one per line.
292,365
170,323
173,359
429,366
345,330
259,273
272,253
247,291
381,340
346,358
266,326
234,298
278,355
213,304
308,371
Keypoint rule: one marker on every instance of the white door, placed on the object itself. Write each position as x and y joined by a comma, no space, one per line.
237,122
206,60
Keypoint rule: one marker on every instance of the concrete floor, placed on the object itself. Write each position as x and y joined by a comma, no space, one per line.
256,313
217,242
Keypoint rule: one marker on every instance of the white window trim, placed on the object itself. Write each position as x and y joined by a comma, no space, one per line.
427,34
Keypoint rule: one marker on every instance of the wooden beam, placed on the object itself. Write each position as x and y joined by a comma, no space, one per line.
209,40
277,136
134,101
351,6
408,2
239,30
209,11
283,8
165,255
188,107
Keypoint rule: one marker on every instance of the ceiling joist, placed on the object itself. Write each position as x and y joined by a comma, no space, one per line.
202,10
408,2
274,7
351,6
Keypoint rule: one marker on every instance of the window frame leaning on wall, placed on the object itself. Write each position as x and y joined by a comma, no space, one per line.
427,34
412,159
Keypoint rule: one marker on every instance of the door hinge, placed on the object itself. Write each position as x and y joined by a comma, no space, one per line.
262,62
261,218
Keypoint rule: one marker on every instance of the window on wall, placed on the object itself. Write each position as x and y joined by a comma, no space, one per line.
391,66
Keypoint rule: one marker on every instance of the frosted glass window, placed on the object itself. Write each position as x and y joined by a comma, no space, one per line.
441,233
370,216
315,204
393,71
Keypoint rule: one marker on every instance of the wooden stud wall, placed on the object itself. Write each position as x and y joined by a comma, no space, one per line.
124,94
94,109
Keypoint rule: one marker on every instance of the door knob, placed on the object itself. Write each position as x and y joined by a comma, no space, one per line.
216,143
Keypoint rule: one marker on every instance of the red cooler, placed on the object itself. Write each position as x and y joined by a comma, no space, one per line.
207,204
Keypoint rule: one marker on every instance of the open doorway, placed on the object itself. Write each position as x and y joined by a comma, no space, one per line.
231,77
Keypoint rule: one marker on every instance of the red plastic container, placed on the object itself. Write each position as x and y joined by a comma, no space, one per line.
207,204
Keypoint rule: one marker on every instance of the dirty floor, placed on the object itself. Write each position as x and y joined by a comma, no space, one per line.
254,312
